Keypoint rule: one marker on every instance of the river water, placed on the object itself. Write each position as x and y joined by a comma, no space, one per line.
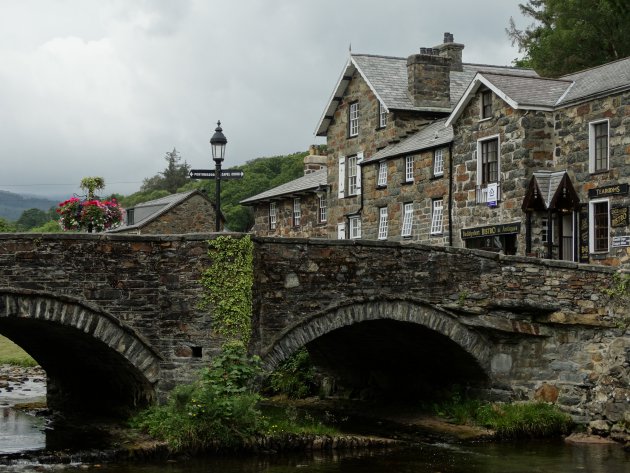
21,431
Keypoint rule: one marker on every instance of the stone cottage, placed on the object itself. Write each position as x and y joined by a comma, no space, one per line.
298,208
185,212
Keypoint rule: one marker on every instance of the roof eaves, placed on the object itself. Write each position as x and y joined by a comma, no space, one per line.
322,127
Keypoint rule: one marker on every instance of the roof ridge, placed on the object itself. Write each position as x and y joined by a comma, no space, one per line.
497,65
596,67
378,55
520,76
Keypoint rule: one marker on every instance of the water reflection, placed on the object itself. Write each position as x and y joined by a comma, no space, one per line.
20,431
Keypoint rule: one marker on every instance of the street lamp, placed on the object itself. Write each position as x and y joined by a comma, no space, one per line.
218,142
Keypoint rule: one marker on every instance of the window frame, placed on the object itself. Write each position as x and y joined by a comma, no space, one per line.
382,174
486,104
354,224
438,171
593,148
407,223
323,209
297,212
382,115
437,217
353,119
594,227
482,195
383,223
409,168
273,215
352,169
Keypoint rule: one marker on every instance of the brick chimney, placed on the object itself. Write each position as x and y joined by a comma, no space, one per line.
451,50
428,78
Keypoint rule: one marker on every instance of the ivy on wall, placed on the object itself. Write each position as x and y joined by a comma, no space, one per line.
228,286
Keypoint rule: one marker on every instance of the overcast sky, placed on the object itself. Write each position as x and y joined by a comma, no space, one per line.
107,87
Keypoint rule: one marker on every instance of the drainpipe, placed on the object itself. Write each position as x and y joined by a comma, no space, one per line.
450,194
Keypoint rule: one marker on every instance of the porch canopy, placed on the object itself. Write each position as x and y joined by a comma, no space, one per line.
551,192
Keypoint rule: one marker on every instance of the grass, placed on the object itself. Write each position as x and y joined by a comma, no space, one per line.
12,354
290,420
508,420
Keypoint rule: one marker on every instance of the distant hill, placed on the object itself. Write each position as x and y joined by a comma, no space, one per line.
12,205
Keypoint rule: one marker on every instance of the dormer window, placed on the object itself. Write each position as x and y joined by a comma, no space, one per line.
353,119
486,104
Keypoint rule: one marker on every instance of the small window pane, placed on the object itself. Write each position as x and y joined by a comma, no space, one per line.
382,174
438,162
382,224
354,119
272,215
297,213
436,218
409,169
407,219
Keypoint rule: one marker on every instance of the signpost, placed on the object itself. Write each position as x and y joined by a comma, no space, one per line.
211,174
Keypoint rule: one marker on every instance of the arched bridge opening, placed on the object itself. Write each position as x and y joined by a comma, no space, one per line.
94,363
389,350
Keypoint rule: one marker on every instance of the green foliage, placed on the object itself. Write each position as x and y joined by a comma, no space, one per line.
571,35
260,174
32,218
294,377
292,421
515,420
174,176
52,226
228,283
6,227
12,354
91,184
619,293
218,411
142,196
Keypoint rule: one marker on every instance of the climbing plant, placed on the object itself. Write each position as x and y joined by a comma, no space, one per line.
228,286
619,293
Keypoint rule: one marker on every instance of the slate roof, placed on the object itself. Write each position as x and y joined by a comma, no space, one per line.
146,212
430,136
597,80
387,78
548,183
308,182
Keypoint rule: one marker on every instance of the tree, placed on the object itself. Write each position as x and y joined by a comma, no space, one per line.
32,218
6,227
172,178
571,35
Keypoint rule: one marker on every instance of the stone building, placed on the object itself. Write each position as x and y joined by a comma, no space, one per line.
186,212
555,154
298,208
378,125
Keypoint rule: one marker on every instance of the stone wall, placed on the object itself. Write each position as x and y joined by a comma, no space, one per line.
310,225
542,322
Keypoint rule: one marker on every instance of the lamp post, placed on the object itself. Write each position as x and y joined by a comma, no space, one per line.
217,143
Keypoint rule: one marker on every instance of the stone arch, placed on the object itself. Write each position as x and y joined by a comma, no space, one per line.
88,354
415,312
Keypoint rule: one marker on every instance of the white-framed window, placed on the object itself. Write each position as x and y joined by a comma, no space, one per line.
407,224
272,215
408,168
599,150
349,175
352,172
382,174
382,115
353,119
437,217
599,216
488,167
355,227
323,208
341,231
544,230
438,162
486,104
382,223
297,212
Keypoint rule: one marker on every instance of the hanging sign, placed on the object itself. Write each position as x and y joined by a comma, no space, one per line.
492,190
620,241
619,217
617,189
491,230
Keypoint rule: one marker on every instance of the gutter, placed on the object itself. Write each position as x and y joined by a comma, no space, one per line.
450,194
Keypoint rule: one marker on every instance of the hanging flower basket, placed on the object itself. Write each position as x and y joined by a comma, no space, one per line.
89,215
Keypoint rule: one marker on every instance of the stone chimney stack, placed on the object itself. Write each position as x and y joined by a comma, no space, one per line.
428,78
451,50
314,162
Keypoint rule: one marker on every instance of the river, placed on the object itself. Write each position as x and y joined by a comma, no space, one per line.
21,431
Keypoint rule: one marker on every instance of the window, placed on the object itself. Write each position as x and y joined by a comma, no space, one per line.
438,162
130,217
341,231
323,209
409,169
436,217
382,174
297,212
407,219
353,119
486,104
272,215
598,146
600,225
382,223
489,161
349,175
382,115
355,227
544,230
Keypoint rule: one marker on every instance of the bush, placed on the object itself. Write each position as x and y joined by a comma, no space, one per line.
219,411
294,377
529,419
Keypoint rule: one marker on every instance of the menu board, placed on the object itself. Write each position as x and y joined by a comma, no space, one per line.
619,217
584,251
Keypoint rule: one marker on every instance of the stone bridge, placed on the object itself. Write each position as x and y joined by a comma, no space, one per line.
113,319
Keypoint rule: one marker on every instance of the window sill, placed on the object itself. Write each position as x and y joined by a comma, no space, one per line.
406,183
437,234
407,237
603,171
485,119
352,136
381,187
435,177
